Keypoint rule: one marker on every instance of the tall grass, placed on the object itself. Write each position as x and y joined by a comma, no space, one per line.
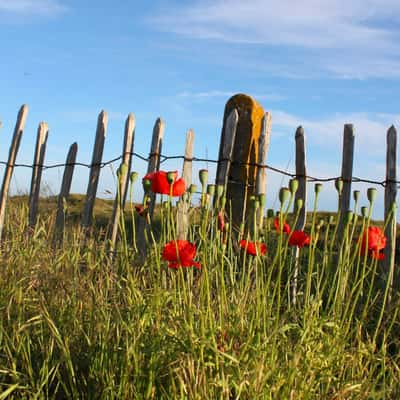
74,325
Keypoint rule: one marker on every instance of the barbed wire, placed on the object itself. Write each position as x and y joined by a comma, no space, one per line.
164,158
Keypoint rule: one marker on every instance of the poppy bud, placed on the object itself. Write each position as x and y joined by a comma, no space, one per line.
133,176
261,199
356,195
192,189
364,211
284,194
394,207
339,185
293,185
171,177
122,170
146,185
203,176
299,204
371,194
220,190
211,189
348,217
317,187
330,220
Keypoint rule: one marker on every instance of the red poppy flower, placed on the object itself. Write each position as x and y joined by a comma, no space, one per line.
376,242
299,239
285,228
221,221
180,253
253,247
160,184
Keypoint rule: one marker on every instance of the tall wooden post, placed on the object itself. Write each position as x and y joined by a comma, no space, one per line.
87,216
19,127
243,171
390,200
183,205
64,191
38,161
301,173
119,202
153,165
347,173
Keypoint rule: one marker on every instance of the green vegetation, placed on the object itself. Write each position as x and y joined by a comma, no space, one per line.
75,325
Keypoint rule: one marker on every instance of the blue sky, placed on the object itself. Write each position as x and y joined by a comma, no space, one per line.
318,64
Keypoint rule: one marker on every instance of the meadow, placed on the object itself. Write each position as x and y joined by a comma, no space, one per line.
253,314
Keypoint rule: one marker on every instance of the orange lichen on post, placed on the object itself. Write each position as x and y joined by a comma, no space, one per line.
242,176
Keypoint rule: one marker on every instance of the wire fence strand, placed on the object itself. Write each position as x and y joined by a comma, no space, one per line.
164,158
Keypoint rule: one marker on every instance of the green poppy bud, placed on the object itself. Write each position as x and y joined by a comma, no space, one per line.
339,185
331,219
122,170
284,194
394,207
317,187
223,202
293,185
226,226
348,217
356,195
299,203
371,194
133,176
171,177
146,185
192,189
211,189
203,176
220,190
364,211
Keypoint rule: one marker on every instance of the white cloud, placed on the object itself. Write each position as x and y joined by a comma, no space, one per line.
344,38
32,7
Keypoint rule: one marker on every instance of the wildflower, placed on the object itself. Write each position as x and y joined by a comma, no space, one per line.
162,182
376,242
180,253
299,239
253,247
284,229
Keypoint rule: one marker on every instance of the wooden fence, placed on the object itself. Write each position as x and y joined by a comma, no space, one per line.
226,158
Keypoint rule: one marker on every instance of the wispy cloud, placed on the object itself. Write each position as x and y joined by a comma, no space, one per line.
226,95
32,7
358,39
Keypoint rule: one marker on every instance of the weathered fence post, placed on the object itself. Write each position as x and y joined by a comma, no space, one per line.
390,201
347,173
153,165
120,198
301,174
183,205
87,216
19,127
40,150
243,169
261,177
225,156
301,194
64,192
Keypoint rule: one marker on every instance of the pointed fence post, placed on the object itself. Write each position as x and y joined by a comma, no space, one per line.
301,174
19,127
183,205
153,166
64,192
120,198
40,151
225,158
87,216
301,177
347,173
261,178
390,201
